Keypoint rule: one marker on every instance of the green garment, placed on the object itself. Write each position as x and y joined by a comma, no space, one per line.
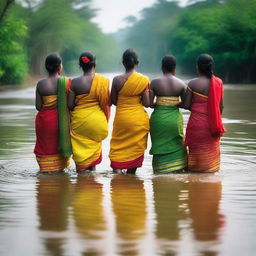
65,147
166,131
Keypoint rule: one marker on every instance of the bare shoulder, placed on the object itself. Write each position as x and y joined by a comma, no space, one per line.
75,82
193,82
180,82
41,83
76,79
155,82
119,80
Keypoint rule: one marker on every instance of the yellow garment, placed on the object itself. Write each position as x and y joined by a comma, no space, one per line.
131,124
89,124
167,101
88,207
53,163
49,101
129,207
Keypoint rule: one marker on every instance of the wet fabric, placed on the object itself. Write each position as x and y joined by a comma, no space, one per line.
65,148
131,125
213,105
89,123
166,131
204,148
47,137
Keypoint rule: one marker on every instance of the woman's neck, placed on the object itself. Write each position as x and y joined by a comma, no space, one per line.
129,71
165,73
53,75
89,72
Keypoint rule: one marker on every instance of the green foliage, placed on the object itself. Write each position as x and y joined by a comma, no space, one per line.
224,29
61,26
150,35
13,62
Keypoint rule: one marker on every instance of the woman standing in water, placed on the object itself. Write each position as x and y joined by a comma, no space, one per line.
205,101
166,122
52,147
88,101
131,125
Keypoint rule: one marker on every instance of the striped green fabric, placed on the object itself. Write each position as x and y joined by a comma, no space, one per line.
65,147
166,131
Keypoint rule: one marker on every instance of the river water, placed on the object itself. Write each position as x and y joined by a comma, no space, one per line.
143,214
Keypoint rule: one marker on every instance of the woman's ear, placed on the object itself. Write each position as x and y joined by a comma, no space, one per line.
60,69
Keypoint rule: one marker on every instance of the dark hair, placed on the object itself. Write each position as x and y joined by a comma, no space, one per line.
87,61
205,64
52,63
130,58
168,63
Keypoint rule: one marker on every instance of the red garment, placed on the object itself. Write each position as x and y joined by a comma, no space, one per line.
82,168
204,149
46,124
214,98
128,164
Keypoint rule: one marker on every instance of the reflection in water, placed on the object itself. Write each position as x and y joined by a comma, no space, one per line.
87,207
129,207
182,217
203,202
169,198
52,204
88,211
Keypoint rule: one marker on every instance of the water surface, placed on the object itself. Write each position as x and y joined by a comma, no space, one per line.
144,214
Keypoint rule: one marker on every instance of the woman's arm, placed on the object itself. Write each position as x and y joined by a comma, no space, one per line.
145,98
187,98
221,106
183,96
71,98
38,103
114,92
152,95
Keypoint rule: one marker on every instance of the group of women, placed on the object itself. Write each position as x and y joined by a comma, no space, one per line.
73,116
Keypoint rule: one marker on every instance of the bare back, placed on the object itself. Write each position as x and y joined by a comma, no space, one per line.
168,86
47,86
200,85
81,84
117,85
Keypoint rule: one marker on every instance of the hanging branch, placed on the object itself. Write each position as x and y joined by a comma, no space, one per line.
5,8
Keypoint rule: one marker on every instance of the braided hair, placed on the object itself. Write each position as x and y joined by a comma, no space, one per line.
205,65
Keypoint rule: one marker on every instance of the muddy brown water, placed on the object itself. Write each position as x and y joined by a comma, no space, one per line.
144,214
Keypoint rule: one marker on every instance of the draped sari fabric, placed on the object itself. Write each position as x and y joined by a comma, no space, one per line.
166,131
215,96
64,123
131,125
203,131
89,125
47,128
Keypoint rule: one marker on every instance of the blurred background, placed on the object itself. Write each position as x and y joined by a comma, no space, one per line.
31,29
